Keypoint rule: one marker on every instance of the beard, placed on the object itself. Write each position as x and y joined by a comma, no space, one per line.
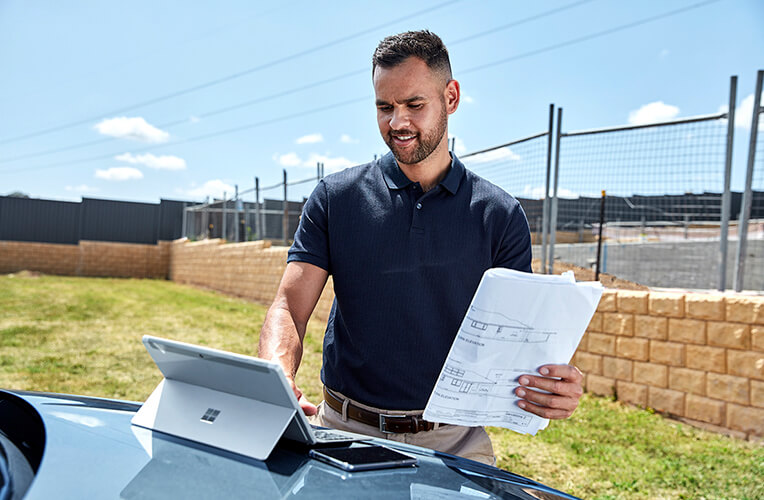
426,142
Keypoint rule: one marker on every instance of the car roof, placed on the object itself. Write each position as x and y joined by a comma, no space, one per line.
91,450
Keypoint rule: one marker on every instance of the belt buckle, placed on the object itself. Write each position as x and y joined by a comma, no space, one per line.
383,424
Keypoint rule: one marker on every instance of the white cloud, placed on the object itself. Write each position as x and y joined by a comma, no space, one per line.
653,112
213,188
163,162
538,193
494,155
331,164
467,99
119,174
132,128
310,139
744,113
287,160
344,138
82,188
194,119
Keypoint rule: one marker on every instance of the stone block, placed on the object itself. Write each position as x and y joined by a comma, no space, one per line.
651,327
583,345
704,306
687,380
634,302
710,359
745,364
728,388
602,386
705,409
732,335
651,374
617,368
618,323
595,325
608,301
742,309
666,400
757,338
631,392
745,418
588,363
600,343
632,348
688,331
668,304
757,393
667,353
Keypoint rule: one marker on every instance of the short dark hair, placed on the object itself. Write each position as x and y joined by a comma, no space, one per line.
424,44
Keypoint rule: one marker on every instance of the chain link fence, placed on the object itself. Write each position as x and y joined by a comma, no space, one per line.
664,186
670,218
237,219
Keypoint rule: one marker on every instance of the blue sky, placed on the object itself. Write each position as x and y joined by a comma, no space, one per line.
80,68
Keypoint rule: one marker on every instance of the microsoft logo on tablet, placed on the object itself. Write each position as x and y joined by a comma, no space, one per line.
210,415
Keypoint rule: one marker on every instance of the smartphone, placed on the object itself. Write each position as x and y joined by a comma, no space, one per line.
358,458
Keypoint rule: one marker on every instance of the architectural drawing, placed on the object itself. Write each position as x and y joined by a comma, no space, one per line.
518,418
497,326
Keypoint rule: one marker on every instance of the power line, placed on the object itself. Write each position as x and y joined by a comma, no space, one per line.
202,136
185,120
592,36
228,78
298,89
469,70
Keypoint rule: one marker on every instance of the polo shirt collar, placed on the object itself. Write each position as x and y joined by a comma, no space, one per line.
396,179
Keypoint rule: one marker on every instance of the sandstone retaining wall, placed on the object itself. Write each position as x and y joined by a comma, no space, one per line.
88,258
695,356
251,270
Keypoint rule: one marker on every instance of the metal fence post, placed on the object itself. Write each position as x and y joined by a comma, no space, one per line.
258,226
599,238
224,227
726,195
236,213
545,205
285,220
745,211
553,222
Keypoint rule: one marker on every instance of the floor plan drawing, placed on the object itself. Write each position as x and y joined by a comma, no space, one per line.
497,382
497,326
517,418
517,322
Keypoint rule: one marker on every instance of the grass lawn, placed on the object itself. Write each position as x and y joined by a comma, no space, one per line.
82,336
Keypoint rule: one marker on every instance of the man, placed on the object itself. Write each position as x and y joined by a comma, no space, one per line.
406,239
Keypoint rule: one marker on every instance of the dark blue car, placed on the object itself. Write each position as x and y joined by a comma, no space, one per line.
60,446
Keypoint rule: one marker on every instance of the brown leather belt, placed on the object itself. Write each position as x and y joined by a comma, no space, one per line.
389,424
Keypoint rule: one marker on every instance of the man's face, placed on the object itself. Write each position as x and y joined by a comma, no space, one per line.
412,109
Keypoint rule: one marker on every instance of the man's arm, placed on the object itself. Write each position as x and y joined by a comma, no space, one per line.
284,326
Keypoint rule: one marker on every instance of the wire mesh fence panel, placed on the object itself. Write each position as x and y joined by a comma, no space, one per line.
754,260
520,169
664,185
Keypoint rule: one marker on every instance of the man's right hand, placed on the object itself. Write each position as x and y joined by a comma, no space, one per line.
307,407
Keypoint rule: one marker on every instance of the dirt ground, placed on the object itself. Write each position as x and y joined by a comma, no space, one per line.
583,274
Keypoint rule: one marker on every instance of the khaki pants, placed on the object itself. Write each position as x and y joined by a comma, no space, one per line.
467,442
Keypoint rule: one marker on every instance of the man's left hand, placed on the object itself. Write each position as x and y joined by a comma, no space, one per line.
562,382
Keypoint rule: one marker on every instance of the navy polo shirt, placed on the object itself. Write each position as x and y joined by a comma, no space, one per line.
405,266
